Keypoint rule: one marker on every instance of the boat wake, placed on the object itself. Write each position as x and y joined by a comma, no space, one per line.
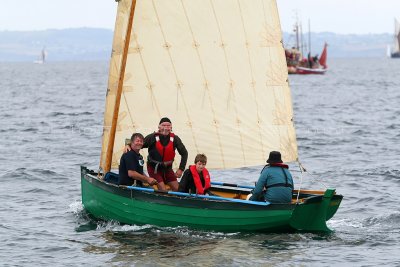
345,223
179,231
76,207
388,221
88,223
197,234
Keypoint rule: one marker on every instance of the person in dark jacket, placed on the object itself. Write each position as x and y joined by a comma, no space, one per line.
131,165
276,179
196,179
161,154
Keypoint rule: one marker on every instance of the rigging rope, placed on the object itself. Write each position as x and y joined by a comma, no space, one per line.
302,169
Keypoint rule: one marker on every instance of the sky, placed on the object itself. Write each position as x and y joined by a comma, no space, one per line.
339,16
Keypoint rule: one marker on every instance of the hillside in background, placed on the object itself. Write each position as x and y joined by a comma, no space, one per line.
61,45
346,45
95,44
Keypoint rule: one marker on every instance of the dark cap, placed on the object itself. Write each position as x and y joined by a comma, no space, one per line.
165,119
274,157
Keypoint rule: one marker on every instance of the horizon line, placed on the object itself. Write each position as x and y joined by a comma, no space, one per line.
99,28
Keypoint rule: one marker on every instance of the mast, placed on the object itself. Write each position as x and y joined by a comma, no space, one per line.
309,37
302,40
297,26
43,54
110,145
297,35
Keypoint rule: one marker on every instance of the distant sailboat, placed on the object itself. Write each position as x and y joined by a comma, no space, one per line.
396,49
314,65
298,64
42,57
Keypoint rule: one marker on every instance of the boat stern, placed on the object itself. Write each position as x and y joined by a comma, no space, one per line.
312,214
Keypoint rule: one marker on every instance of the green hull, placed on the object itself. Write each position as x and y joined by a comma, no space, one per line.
126,205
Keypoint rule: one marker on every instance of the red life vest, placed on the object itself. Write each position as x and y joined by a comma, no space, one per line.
283,165
197,181
167,152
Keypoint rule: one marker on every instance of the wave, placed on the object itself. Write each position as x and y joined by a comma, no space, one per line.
88,223
57,113
38,191
390,221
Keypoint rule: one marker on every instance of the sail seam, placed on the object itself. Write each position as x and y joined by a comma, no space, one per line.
273,78
292,145
149,86
129,111
206,84
179,84
252,84
231,84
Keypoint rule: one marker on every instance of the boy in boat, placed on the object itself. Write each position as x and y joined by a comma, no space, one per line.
131,165
196,179
276,178
161,147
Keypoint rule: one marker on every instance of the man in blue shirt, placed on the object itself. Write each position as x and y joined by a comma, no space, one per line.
276,179
131,164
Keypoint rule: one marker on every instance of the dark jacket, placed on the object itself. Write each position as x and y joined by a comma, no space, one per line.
186,185
130,161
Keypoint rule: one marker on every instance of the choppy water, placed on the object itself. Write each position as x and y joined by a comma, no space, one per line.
348,133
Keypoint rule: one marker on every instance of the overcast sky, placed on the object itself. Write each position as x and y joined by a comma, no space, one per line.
340,16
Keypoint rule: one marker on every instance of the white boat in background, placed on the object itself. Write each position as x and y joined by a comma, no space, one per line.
42,57
396,49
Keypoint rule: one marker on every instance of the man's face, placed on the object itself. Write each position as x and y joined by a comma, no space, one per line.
165,128
137,143
200,166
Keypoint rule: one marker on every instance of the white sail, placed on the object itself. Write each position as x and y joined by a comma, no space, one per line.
42,57
396,36
216,68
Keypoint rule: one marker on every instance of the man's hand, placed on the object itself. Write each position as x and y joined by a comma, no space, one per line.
127,148
179,173
151,181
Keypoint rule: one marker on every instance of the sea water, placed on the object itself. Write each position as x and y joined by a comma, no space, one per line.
348,131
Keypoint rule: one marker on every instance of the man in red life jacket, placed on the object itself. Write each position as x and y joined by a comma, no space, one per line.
196,180
161,154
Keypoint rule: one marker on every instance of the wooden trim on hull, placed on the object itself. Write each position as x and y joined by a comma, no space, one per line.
160,197
135,206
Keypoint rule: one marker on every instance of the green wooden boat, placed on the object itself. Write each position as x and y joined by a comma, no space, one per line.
229,212
217,69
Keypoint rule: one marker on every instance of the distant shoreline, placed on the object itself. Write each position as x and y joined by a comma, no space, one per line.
94,44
